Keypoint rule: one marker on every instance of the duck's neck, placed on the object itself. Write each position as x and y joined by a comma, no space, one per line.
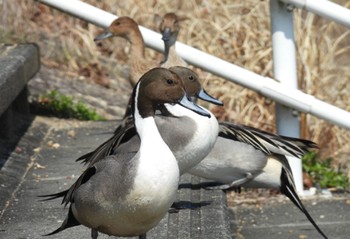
175,58
145,124
138,45
148,132
166,53
171,58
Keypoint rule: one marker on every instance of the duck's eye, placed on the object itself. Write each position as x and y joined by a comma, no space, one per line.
169,81
117,23
191,78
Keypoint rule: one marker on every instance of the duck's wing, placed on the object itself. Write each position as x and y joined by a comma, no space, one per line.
68,194
122,134
267,142
239,133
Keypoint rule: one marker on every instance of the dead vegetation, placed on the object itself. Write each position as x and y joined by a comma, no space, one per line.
237,31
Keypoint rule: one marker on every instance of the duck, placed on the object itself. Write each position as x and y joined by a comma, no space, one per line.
123,196
128,29
169,27
247,157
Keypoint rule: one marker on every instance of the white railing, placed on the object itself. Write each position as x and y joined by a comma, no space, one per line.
283,90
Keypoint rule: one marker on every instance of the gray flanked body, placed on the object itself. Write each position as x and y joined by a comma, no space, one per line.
230,161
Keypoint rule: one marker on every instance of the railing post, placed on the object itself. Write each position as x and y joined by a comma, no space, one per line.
284,69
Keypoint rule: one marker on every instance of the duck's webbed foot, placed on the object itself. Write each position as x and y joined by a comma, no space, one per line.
235,185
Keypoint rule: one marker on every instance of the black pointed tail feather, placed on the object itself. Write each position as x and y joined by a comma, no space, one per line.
70,221
49,197
288,189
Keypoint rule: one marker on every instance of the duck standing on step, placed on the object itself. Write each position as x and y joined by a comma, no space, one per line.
129,196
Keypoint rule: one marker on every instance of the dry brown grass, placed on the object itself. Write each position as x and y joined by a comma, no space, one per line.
237,31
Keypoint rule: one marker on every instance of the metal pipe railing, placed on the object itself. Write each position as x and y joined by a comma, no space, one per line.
266,86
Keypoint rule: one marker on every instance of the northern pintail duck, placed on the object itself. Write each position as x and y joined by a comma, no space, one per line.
127,28
128,196
169,27
247,157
